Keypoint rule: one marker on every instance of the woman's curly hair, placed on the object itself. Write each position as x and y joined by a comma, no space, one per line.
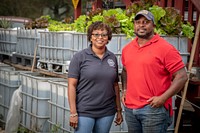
99,25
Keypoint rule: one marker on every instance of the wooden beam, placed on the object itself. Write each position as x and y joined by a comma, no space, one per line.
127,2
77,11
169,3
196,3
29,69
180,4
190,19
99,3
197,57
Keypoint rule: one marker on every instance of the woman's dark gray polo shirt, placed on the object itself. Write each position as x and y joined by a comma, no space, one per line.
95,93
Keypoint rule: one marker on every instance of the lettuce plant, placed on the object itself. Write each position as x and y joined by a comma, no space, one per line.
139,5
187,30
118,21
171,21
168,21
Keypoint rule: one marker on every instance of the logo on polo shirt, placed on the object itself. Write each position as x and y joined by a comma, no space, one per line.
111,62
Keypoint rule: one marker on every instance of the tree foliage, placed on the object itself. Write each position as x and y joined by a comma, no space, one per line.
57,9
27,8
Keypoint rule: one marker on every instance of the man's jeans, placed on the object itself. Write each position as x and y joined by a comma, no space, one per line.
147,120
94,125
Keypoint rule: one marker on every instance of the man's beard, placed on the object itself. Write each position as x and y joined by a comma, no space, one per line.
146,36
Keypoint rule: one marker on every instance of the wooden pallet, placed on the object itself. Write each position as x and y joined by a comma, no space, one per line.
23,60
52,67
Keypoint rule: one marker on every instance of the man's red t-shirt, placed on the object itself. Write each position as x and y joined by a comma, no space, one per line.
149,70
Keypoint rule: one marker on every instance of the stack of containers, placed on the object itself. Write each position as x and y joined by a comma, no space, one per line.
8,41
58,48
9,82
27,40
116,45
59,107
181,44
35,107
60,111
79,41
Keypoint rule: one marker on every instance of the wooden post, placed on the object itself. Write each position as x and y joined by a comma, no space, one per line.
189,70
34,58
77,11
127,2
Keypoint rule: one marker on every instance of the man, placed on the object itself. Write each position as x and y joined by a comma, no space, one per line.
153,71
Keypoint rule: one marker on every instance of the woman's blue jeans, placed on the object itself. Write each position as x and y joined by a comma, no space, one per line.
94,125
147,120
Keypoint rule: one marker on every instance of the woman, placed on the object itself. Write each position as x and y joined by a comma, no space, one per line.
93,89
